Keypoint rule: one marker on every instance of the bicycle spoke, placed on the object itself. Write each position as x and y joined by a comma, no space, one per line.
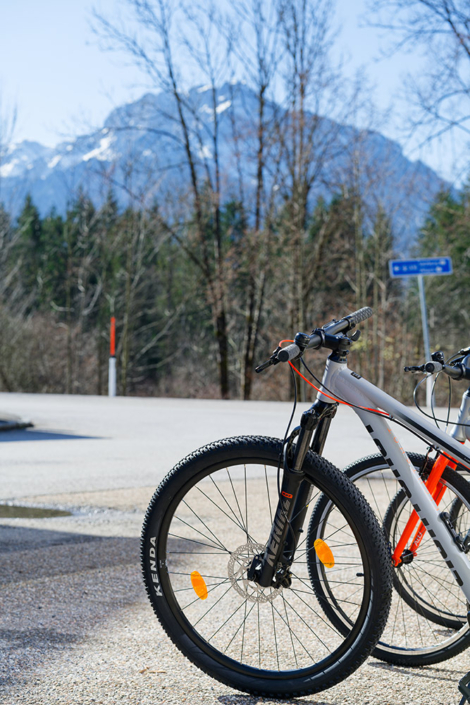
184,538
215,545
237,523
235,495
212,606
204,524
226,621
290,631
197,599
242,624
275,638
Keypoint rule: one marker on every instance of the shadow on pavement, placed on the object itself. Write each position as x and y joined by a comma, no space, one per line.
30,553
56,588
254,700
432,672
21,639
29,435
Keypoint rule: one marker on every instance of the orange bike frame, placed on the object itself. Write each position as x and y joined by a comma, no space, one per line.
437,490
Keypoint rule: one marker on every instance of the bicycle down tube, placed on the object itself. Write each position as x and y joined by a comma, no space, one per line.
351,387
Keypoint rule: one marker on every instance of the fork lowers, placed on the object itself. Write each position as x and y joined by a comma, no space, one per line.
263,571
271,569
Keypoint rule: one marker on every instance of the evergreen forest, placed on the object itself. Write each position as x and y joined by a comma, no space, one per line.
63,277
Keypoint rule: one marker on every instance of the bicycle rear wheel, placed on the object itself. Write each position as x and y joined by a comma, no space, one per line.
425,583
427,622
205,523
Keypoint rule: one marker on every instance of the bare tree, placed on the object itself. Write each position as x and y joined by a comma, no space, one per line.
252,30
317,101
7,233
7,131
154,52
440,94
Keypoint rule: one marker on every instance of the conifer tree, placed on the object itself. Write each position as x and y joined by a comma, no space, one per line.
29,247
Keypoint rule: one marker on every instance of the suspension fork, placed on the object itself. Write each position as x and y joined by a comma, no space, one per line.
294,498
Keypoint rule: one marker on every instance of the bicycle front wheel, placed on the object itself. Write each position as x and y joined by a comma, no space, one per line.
207,520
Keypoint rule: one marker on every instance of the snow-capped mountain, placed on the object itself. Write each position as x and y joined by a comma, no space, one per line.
139,153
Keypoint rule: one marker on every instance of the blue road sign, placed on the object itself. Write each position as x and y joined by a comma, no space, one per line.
415,267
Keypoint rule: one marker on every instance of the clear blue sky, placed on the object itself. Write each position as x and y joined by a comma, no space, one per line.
62,83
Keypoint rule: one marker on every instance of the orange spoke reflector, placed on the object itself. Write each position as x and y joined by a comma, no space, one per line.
324,553
199,585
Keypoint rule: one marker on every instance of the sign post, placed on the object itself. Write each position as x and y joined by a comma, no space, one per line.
420,268
112,360
427,348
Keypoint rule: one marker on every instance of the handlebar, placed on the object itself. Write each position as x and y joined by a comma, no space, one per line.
321,337
459,370
326,337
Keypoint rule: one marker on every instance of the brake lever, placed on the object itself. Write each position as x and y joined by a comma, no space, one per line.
273,360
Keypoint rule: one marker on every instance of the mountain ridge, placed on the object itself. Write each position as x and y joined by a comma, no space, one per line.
139,144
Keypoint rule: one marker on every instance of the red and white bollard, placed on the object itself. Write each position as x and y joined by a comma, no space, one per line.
112,360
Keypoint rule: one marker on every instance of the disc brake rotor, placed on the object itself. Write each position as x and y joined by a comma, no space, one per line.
239,562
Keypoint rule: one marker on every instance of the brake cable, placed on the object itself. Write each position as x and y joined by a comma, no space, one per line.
379,413
281,454
337,399
375,412
433,416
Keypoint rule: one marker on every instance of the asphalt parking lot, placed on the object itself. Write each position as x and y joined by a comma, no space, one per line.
75,624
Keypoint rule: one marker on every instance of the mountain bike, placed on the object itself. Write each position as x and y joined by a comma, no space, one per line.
228,572
428,618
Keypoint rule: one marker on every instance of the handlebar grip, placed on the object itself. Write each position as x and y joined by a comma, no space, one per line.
288,353
359,316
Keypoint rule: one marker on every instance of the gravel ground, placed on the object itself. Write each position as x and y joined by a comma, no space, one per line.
76,626
75,623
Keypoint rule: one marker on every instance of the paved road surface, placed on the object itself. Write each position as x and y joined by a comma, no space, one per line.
94,443
75,625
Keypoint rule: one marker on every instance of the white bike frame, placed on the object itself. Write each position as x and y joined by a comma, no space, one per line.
351,387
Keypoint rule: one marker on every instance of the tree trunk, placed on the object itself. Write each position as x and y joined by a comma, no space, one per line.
222,340
247,358
126,322
255,329
68,307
